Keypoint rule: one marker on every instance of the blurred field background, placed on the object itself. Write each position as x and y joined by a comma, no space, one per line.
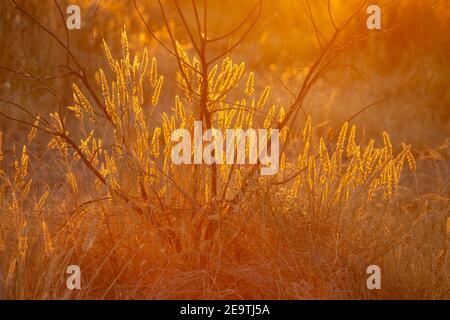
278,244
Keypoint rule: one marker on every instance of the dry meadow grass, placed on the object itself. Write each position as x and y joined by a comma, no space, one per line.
86,176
